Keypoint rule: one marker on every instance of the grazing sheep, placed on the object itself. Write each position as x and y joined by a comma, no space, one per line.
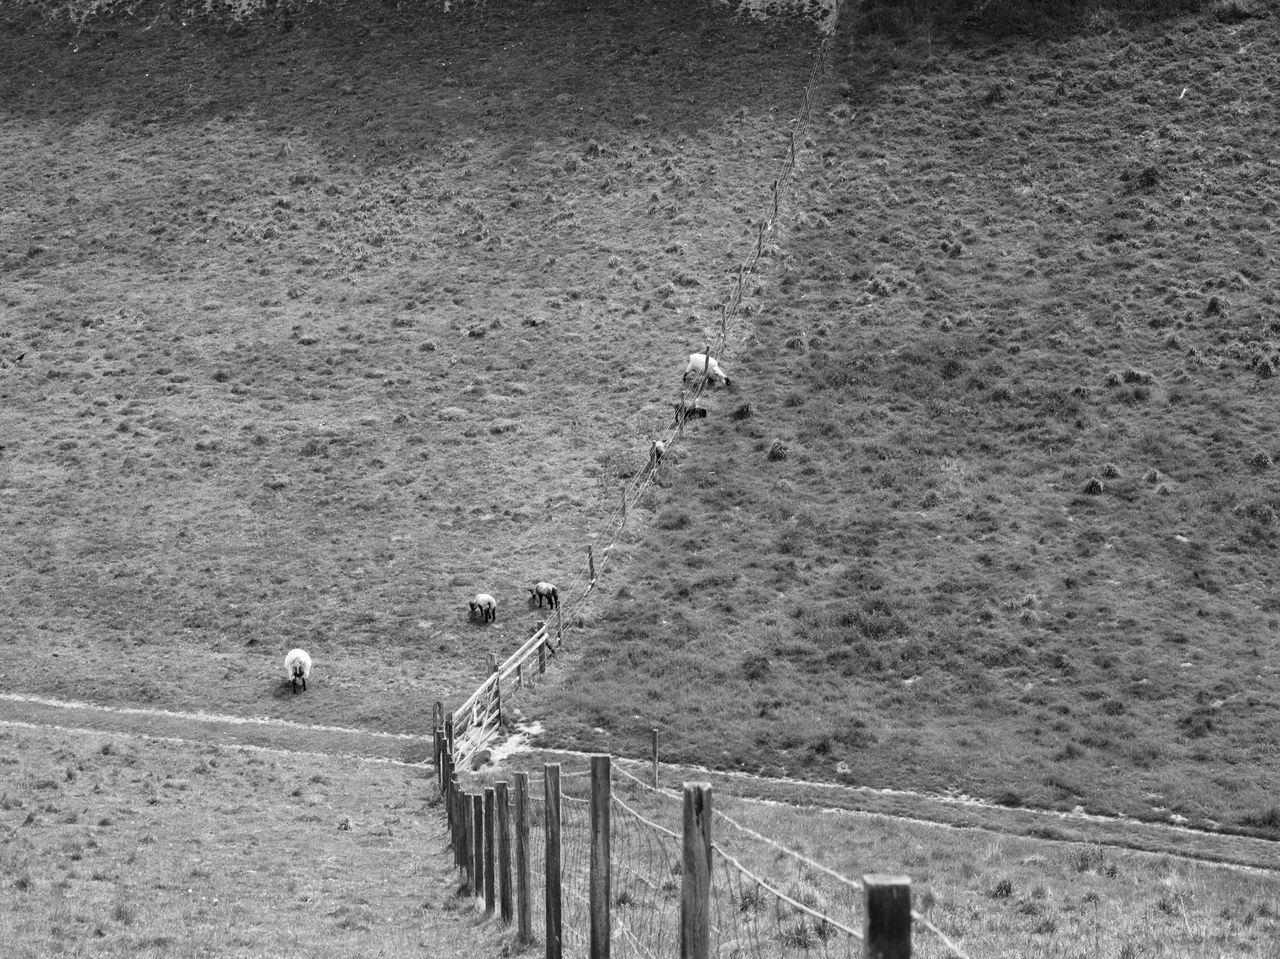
486,604
656,452
707,366
547,591
686,412
297,666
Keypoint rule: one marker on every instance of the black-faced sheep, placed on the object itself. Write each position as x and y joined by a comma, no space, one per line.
686,412
297,667
656,452
547,591
705,365
486,605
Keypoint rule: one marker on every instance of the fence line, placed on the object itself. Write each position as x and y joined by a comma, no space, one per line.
627,877
743,913
480,716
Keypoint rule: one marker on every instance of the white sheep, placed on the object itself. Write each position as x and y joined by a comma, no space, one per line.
656,452
297,666
486,605
706,366
547,591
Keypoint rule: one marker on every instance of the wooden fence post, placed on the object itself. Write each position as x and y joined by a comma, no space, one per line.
551,773
542,656
490,876
887,926
598,895
560,622
477,844
462,835
655,757
591,563
459,821
624,504
468,831
695,880
524,898
448,733
437,750
496,698
504,850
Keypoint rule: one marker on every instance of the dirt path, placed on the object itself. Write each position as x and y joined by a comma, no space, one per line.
216,729
955,811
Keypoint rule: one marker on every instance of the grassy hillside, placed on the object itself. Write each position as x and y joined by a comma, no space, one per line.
1018,339
329,323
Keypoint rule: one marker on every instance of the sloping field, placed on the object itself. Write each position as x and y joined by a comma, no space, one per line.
1018,341
123,846
329,324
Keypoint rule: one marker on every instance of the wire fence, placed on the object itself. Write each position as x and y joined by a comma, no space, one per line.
478,719
760,899
662,892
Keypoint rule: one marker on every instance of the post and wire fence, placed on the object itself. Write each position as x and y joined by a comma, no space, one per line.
600,861
477,721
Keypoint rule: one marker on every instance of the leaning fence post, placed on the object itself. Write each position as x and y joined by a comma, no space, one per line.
497,688
477,844
695,880
551,823
490,876
524,920
504,850
598,895
887,926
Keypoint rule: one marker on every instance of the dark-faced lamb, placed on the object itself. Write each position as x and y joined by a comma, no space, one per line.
547,591
685,412
486,605
297,667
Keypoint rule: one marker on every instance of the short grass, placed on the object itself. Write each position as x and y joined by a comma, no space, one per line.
991,894
124,846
